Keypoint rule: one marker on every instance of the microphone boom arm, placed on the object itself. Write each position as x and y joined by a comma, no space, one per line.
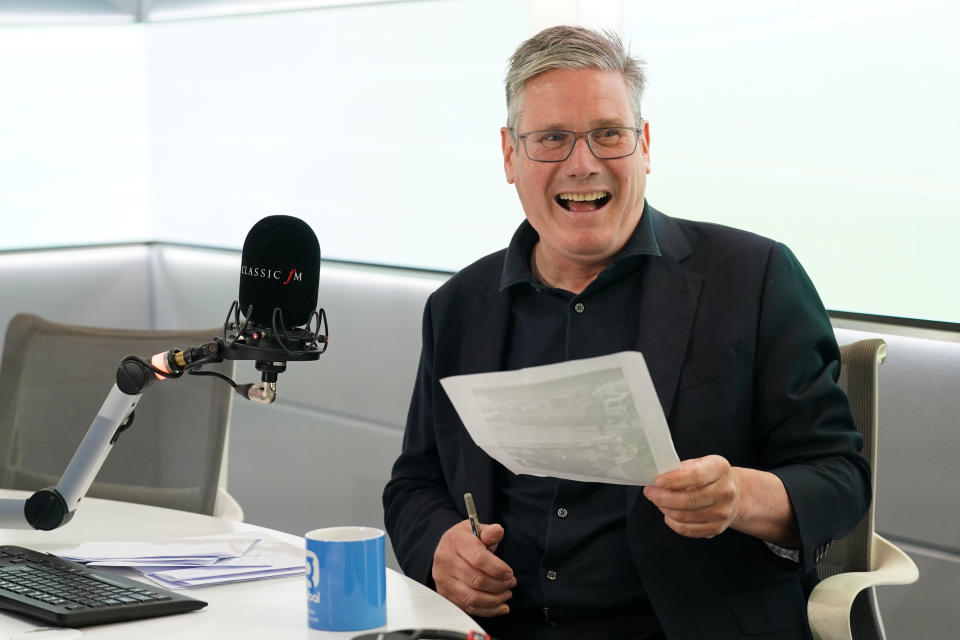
53,507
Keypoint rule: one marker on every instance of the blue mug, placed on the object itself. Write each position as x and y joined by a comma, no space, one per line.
346,578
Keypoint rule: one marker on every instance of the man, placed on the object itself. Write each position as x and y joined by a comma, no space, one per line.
742,356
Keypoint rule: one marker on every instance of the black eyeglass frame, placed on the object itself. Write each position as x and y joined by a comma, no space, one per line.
576,136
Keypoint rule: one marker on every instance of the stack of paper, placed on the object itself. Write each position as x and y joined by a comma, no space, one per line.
196,562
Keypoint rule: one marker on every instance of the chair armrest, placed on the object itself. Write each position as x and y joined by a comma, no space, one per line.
226,506
829,605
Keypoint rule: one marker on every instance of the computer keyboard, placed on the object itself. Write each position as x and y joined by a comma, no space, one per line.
68,594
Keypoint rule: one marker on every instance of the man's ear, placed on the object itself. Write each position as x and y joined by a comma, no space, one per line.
645,146
508,146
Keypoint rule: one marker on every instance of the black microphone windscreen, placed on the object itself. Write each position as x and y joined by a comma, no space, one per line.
280,268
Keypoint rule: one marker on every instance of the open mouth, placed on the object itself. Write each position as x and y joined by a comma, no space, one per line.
580,202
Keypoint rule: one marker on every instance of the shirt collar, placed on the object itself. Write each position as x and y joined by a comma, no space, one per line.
516,264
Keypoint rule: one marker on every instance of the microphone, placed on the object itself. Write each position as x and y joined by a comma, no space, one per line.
279,282
279,269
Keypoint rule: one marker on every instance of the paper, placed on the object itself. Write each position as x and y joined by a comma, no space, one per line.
267,559
201,549
592,420
200,561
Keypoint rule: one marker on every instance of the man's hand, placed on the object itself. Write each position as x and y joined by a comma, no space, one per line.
705,496
700,499
468,574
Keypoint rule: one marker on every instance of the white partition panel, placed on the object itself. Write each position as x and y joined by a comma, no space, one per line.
103,287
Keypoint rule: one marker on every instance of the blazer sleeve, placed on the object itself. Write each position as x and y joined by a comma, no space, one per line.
808,437
417,504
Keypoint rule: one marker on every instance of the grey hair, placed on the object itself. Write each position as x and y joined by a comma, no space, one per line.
565,47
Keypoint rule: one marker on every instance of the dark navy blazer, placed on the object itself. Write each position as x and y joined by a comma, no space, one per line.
745,364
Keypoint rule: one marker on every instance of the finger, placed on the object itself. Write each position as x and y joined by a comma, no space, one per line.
462,558
474,599
491,535
681,500
502,610
693,473
475,602
695,530
478,580
476,566
698,516
486,572
477,555
488,612
690,499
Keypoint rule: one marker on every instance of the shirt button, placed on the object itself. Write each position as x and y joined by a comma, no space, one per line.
551,575
561,512
578,307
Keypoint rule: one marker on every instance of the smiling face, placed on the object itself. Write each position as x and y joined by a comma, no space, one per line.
583,208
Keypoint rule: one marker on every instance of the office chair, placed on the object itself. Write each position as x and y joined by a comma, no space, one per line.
53,380
843,606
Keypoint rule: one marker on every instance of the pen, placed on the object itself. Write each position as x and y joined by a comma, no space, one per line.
472,513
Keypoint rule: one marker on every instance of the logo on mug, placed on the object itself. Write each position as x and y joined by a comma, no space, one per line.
313,572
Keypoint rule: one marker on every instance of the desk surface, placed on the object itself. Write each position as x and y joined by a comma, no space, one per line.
274,608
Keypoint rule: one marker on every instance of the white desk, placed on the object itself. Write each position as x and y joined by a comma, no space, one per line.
274,608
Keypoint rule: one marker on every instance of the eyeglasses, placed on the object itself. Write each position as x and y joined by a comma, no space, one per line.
606,143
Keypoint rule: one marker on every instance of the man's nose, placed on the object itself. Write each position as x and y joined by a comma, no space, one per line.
582,163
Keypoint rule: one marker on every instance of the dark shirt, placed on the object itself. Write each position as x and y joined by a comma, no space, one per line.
566,541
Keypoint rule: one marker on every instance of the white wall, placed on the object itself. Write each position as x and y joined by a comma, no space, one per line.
827,125
74,151
354,119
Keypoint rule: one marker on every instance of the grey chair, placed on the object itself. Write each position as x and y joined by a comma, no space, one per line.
53,379
843,606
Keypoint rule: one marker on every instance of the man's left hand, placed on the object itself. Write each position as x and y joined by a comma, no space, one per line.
706,496
700,499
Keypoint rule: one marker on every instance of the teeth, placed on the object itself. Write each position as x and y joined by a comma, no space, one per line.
581,197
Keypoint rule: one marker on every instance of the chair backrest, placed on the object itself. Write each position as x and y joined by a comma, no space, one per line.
53,380
858,378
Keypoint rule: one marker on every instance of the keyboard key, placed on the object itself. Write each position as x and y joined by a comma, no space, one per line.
66,593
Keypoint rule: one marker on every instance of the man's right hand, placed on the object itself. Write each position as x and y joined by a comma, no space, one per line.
468,574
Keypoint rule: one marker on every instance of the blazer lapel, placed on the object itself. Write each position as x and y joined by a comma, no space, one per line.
482,349
668,306
669,302
485,326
